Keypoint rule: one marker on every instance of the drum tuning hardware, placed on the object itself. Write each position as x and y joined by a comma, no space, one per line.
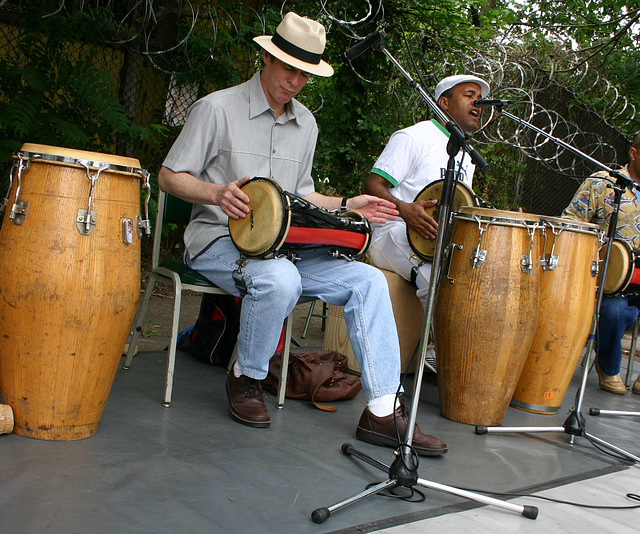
594,268
448,257
526,260
143,225
19,209
5,201
89,221
86,223
551,262
127,231
477,257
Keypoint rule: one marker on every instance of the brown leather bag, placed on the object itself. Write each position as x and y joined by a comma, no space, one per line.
318,376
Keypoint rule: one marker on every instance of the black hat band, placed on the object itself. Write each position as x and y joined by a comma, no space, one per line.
295,51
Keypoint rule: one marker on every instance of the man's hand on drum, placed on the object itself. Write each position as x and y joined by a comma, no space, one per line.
375,209
415,217
232,200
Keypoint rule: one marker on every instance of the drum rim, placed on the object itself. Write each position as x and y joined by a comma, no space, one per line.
571,224
271,248
35,153
466,213
624,280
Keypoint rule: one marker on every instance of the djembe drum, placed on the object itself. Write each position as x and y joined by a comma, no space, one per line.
281,223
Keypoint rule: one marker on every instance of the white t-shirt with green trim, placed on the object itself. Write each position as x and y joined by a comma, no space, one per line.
415,157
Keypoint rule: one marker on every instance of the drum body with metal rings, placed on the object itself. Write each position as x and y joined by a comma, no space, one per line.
568,281
69,287
485,312
463,196
280,223
623,270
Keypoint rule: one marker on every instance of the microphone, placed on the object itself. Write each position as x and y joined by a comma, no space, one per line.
369,41
490,103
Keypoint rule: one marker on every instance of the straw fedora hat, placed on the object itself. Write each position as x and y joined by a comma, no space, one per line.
299,42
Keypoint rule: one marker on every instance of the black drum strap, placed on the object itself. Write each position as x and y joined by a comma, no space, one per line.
414,276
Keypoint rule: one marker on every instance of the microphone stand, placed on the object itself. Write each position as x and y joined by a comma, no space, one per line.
404,469
574,425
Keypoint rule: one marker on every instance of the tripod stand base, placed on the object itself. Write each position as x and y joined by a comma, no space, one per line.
403,472
598,411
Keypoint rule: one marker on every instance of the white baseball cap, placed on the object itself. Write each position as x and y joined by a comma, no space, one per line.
451,81
299,42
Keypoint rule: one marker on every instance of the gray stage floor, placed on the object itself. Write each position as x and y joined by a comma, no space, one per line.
190,468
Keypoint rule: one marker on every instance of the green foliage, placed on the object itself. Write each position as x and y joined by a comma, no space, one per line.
51,91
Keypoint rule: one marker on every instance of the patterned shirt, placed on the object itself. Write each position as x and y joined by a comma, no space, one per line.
594,203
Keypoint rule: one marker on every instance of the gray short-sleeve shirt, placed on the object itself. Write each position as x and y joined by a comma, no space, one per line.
234,133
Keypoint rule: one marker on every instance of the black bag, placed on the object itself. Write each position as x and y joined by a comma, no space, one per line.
213,337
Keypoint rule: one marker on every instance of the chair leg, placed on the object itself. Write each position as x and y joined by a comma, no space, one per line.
171,357
632,353
286,347
139,320
309,316
322,315
234,357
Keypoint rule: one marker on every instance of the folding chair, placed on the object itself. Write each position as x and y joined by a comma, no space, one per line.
176,273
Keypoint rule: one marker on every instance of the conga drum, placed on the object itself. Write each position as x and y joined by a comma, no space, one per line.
565,311
462,196
69,286
485,312
623,270
280,223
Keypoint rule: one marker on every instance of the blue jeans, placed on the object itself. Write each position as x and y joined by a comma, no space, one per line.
617,315
273,288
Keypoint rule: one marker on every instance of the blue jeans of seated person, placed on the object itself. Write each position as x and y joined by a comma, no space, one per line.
617,315
273,288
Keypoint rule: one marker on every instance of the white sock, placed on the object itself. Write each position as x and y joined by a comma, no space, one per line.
383,406
236,370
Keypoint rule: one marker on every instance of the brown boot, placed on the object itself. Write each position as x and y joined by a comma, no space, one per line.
636,386
245,401
382,431
612,384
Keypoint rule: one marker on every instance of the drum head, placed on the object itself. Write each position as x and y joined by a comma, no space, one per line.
463,196
501,216
67,156
570,224
264,229
619,268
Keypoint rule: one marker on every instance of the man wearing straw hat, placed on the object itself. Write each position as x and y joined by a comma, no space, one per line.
258,128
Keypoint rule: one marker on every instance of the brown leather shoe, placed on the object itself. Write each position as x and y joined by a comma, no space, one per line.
636,386
612,384
382,431
245,401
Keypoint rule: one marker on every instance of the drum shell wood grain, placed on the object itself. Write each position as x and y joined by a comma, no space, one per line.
565,312
485,320
67,300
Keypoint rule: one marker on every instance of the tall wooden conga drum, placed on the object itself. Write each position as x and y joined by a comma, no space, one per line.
69,285
485,312
565,313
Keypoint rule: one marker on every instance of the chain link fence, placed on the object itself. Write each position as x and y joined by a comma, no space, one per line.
147,57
